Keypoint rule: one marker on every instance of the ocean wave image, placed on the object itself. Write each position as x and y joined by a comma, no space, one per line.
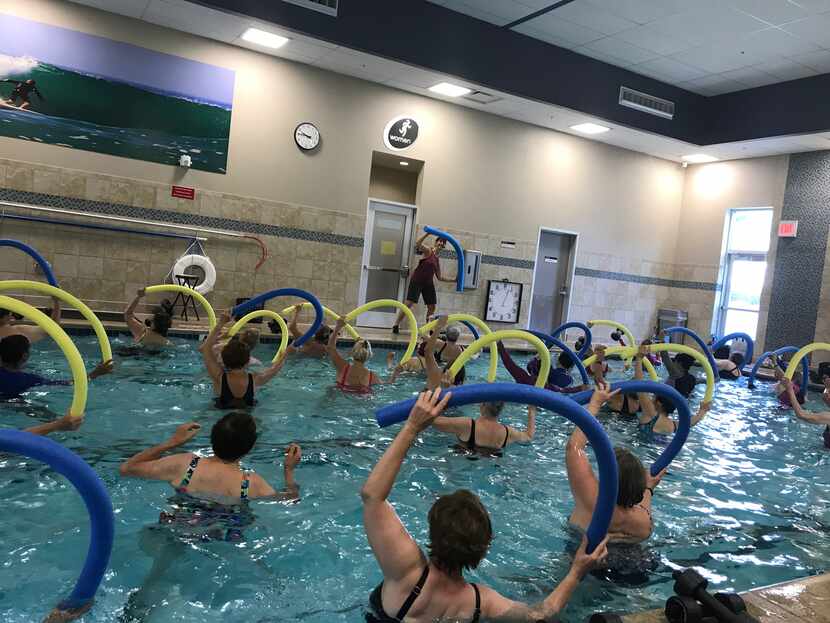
66,88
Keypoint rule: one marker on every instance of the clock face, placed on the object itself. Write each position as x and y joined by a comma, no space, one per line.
503,301
307,136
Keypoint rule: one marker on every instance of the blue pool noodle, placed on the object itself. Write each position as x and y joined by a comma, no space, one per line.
256,302
37,257
552,341
95,496
576,325
702,345
472,328
459,252
750,344
805,367
684,415
524,394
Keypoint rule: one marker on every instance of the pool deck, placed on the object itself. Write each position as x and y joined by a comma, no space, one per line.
805,601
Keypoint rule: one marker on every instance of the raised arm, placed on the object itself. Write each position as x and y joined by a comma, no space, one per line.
453,425
207,347
136,327
526,435
149,463
519,374
419,244
273,370
648,410
674,369
701,412
597,368
292,326
433,370
338,361
821,417
394,548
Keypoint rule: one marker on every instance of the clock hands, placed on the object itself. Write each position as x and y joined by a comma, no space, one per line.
304,134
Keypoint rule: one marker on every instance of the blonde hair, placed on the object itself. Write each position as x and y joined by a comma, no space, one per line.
250,337
362,351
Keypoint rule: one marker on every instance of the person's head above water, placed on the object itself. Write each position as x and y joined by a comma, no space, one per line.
5,317
737,359
233,436
236,354
685,385
362,351
664,405
161,322
632,478
460,532
491,409
323,334
453,333
565,361
14,351
250,337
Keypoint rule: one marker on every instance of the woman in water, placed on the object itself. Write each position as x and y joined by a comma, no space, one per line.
219,476
422,588
821,418
154,335
731,369
34,334
623,404
316,347
234,386
559,377
354,377
485,434
421,281
631,521
654,418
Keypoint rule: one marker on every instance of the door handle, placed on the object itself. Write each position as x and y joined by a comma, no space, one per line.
563,292
384,269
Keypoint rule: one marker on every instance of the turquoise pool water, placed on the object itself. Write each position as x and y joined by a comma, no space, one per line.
748,500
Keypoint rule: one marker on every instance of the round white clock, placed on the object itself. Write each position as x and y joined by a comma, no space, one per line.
307,136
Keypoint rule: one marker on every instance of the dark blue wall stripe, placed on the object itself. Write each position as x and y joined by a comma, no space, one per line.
799,262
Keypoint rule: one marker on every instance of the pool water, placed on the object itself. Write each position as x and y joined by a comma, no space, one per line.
747,500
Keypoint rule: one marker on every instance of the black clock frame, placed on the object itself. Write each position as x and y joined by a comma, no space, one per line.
490,283
319,141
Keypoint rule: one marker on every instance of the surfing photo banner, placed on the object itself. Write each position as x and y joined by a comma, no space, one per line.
67,88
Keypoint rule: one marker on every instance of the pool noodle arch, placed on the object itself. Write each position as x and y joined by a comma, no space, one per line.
471,321
576,325
479,344
326,311
459,252
170,287
251,305
626,355
472,329
66,297
805,367
620,327
413,324
791,368
524,394
552,341
699,341
684,416
266,313
750,344
37,257
70,351
95,496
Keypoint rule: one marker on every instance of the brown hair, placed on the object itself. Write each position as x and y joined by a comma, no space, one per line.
250,337
632,478
235,354
460,532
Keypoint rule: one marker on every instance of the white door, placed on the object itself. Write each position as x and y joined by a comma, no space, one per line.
552,276
386,253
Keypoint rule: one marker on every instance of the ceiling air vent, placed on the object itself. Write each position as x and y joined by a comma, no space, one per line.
646,103
328,7
481,97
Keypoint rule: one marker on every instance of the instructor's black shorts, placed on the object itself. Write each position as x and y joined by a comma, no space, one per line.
416,290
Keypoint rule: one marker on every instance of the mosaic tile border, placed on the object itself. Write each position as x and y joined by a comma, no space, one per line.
234,225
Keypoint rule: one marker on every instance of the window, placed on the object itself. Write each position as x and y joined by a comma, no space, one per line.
743,270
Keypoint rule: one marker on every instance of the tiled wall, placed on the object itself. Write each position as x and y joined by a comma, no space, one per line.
309,248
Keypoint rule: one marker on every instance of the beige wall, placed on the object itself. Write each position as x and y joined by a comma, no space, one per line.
393,185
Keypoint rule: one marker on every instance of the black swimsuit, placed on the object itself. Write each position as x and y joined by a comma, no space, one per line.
377,614
827,437
226,399
729,375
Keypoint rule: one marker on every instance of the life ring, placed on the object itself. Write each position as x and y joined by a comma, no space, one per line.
200,261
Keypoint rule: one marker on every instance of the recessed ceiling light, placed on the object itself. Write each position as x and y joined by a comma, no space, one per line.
699,158
450,90
590,128
404,163
265,39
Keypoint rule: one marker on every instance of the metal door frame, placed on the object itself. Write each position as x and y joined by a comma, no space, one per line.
374,319
566,307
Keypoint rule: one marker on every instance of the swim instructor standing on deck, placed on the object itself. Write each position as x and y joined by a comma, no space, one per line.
421,281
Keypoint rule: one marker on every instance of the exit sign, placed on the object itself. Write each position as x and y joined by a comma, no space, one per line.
183,192
787,229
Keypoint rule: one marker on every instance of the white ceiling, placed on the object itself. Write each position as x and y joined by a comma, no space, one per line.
706,46
187,17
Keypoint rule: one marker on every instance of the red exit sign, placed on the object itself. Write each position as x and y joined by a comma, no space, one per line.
183,192
787,229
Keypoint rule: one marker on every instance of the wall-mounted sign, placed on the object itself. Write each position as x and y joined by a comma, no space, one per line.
400,133
787,229
549,259
508,244
183,192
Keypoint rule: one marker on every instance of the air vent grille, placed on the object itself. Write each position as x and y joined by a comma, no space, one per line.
646,103
481,97
324,6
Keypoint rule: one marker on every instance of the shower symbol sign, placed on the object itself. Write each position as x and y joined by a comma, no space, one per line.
401,133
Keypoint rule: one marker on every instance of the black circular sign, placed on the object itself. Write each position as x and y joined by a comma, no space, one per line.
401,133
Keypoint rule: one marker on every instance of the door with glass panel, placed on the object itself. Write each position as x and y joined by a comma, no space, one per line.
386,253
745,268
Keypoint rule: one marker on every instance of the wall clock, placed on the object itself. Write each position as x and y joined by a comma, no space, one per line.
307,136
504,301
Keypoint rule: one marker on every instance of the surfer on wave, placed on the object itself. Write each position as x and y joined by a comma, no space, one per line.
23,92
